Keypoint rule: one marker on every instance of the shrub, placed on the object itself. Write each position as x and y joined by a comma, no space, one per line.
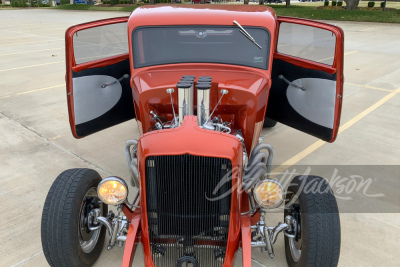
18,3
114,2
340,3
64,2
371,4
326,3
42,3
333,3
382,4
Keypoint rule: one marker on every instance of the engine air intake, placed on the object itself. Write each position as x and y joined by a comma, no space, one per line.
185,226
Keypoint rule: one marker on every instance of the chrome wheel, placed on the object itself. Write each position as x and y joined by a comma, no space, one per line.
295,244
88,239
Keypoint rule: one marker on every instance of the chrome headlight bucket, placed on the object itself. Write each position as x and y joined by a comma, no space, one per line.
113,190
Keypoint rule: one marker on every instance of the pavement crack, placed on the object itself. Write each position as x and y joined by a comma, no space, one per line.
47,140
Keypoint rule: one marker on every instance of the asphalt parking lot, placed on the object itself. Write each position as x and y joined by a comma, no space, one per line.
36,143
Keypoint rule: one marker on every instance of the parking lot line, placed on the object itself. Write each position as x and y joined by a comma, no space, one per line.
304,153
33,91
35,34
367,29
31,66
41,30
32,51
370,87
345,54
34,42
27,259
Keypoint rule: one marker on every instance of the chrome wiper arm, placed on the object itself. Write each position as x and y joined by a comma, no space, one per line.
245,33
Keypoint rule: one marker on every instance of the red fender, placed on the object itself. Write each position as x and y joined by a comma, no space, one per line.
131,239
246,240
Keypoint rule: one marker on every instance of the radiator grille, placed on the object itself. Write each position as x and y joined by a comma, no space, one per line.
184,226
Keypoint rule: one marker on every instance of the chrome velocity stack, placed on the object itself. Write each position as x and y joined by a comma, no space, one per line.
204,79
185,97
203,101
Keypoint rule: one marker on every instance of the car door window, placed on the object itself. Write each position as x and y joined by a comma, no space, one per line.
307,42
98,85
100,42
307,77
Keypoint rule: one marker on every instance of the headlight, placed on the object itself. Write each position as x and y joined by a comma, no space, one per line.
269,194
112,190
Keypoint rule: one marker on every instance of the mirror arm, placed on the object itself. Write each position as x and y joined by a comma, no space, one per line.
290,83
125,76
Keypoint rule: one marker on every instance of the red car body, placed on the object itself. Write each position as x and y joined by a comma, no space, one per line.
245,106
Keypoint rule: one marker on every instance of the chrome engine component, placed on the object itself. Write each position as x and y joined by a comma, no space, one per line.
216,124
203,101
223,92
239,135
130,153
265,237
185,98
174,122
117,226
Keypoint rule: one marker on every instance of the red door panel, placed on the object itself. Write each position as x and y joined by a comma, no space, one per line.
307,77
98,89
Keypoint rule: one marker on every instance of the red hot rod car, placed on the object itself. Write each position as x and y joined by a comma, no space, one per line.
201,84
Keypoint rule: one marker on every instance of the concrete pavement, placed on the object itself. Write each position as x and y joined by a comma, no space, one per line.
36,143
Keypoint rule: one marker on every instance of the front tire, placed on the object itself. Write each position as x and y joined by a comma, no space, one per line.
318,237
66,241
269,123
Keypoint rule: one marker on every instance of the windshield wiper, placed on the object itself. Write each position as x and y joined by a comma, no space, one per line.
245,33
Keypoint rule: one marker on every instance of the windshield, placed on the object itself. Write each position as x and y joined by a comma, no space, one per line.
199,44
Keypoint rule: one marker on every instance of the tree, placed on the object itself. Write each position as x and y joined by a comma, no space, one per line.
152,2
91,2
246,2
351,4
287,3
261,2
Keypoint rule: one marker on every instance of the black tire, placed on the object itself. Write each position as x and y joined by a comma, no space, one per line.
60,219
319,232
268,123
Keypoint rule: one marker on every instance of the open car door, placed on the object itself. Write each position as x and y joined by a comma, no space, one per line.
307,77
98,90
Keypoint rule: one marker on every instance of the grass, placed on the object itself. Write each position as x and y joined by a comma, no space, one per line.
311,12
302,10
390,4
96,8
